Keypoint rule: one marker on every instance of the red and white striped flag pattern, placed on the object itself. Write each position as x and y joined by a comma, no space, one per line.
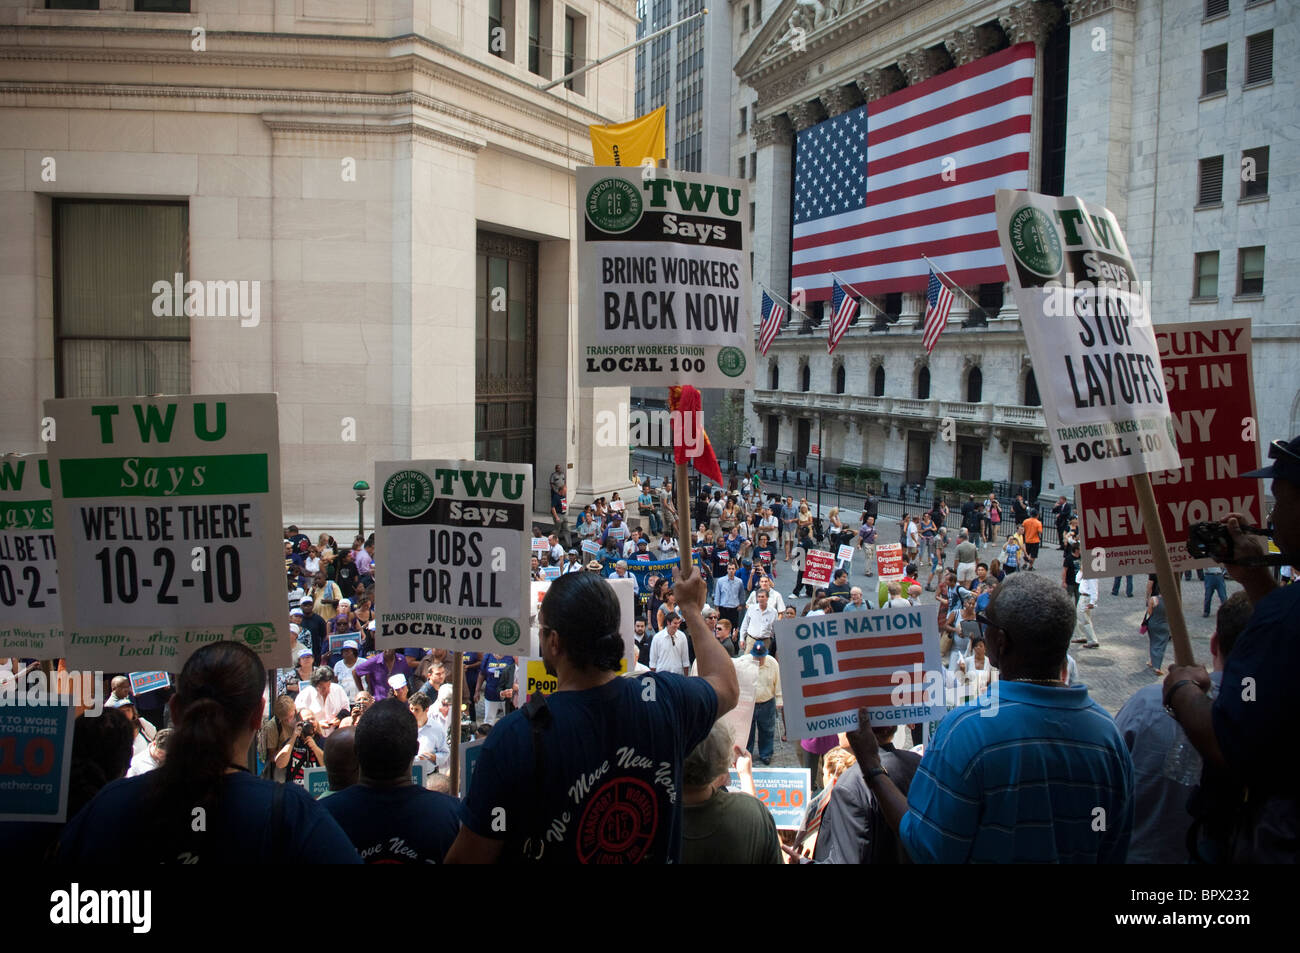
879,659
914,174
938,300
773,315
845,307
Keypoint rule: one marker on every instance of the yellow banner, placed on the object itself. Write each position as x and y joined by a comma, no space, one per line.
539,681
627,143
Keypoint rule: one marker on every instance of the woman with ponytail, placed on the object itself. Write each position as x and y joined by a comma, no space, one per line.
201,805
593,773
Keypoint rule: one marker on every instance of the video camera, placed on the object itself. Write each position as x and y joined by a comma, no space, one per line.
1213,541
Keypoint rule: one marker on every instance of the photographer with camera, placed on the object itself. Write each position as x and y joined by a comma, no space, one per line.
1244,733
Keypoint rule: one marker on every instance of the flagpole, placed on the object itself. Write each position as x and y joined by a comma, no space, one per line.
952,283
845,283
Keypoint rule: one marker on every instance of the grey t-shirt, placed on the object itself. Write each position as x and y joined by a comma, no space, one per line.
967,553
729,828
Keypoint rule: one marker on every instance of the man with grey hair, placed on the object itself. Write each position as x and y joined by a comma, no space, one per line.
325,699
721,826
1048,780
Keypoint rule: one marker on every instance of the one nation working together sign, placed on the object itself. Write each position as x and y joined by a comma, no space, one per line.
663,279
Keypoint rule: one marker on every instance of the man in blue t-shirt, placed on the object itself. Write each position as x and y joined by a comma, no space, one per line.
495,685
386,816
593,774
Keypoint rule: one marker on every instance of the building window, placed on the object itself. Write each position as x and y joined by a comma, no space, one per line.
1209,189
161,6
744,120
970,459
1214,70
1215,8
893,306
1254,173
878,381
575,45
773,376
1250,270
110,260
805,379
758,12
1259,57
1206,281
1031,390
839,378
751,216
923,384
535,37
974,386
744,22
740,165
505,391
753,166
71,4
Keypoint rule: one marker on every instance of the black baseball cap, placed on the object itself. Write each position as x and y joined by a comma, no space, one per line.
1286,462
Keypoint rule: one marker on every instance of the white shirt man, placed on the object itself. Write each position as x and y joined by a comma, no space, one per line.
668,651
1085,633
769,524
759,622
620,572
326,701
343,670
774,598
432,738
913,535
556,551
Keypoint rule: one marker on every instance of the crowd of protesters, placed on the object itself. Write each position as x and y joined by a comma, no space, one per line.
1023,785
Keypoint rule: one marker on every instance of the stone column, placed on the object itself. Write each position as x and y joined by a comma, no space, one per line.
840,99
1030,22
877,83
970,43
1099,109
774,139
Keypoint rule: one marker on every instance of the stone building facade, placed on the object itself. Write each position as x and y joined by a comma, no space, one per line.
390,176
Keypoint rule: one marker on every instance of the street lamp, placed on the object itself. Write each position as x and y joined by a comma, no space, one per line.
361,486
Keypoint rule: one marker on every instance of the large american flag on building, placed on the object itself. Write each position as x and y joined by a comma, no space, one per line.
873,193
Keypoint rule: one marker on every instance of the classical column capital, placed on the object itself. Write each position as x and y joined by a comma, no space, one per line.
920,65
773,130
840,99
806,114
970,43
877,83
1029,22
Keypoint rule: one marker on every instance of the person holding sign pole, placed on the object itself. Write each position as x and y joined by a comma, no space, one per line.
1245,733
601,752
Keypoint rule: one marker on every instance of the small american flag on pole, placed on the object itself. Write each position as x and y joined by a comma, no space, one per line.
773,315
938,304
844,307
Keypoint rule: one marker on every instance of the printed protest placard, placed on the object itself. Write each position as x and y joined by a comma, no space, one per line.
591,547
35,760
663,279
1087,323
454,535
166,512
549,573
891,561
844,554
142,682
540,544
624,591
783,791
739,719
818,566
1208,375
336,641
886,660
315,781
31,619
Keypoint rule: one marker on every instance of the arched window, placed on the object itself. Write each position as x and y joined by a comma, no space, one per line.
974,386
773,375
923,384
1031,391
839,378
805,379
878,382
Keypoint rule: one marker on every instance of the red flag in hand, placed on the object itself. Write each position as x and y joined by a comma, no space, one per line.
685,400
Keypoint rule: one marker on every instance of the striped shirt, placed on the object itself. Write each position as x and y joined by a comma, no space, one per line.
1043,777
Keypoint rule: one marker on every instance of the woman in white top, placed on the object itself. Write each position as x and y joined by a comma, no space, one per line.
325,699
974,672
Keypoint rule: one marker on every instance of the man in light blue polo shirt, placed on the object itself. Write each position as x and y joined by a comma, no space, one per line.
1042,776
